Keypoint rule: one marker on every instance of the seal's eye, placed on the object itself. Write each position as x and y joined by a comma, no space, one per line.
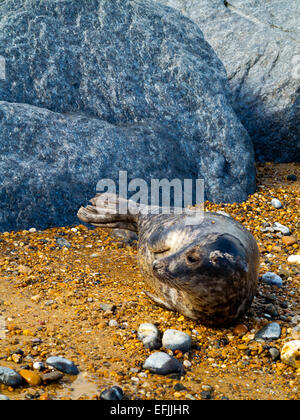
160,252
192,259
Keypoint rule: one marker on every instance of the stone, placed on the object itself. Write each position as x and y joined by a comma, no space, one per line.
274,353
10,377
276,203
62,242
149,335
292,177
289,240
176,340
163,364
240,329
290,353
270,332
50,377
32,378
73,113
272,279
294,259
115,393
152,342
278,227
270,309
63,365
39,366
4,398
258,43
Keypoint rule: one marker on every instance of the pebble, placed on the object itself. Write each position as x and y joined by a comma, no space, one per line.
281,228
176,340
289,240
272,279
32,230
115,393
32,378
290,353
63,365
206,395
162,364
295,320
274,353
271,310
294,259
292,177
113,323
107,307
50,377
271,331
150,336
38,366
187,363
62,242
240,329
17,358
3,398
276,203
10,377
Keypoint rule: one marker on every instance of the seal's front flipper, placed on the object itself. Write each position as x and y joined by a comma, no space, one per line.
110,211
159,301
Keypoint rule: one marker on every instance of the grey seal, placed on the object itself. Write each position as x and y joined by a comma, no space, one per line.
207,271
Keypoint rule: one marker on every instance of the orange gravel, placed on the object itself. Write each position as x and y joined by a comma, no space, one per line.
54,294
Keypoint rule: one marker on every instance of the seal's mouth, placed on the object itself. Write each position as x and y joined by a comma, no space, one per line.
160,270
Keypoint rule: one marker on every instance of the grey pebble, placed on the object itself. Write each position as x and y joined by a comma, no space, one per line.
107,307
115,393
149,335
50,377
271,331
10,377
271,310
272,279
162,364
63,365
62,242
4,398
274,353
176,340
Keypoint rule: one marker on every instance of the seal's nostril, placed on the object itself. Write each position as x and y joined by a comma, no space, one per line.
157,265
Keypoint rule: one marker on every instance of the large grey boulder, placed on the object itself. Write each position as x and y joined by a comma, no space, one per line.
97,86
258,42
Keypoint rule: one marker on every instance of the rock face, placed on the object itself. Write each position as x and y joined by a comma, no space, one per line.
98,86
259,44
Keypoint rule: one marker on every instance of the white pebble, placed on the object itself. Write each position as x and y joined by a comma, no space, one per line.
187,363
32,230
294,259
278,227
290,353
113,323
276,203
176,340
38,366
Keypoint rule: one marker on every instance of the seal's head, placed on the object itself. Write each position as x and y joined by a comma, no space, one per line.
218,256
214,272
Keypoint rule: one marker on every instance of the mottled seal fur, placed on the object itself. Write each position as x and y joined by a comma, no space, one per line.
207,271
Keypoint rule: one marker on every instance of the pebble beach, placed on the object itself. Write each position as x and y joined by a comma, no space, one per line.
72,304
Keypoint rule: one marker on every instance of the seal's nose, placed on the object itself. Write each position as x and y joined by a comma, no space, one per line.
156,265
